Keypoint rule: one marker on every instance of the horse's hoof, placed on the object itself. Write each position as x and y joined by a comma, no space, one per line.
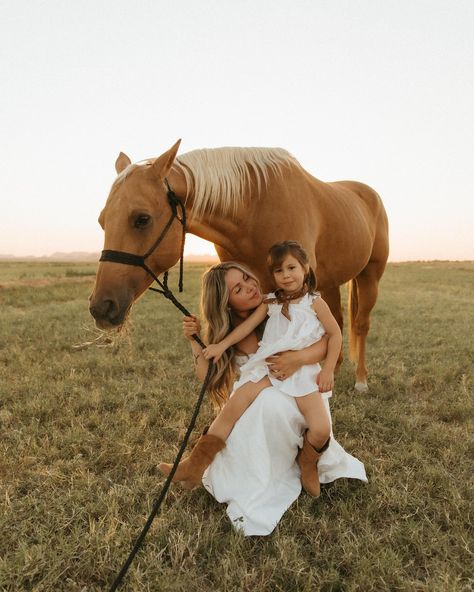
361,387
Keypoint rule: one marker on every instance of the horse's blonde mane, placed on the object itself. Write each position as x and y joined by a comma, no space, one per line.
220,177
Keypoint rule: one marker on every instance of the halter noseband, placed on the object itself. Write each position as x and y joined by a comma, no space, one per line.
139,260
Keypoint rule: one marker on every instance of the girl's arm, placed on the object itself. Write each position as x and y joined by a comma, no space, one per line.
325,378
216,350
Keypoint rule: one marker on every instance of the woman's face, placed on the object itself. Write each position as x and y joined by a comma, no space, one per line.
244,291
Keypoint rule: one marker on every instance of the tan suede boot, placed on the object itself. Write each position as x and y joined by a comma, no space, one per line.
307,459
191,469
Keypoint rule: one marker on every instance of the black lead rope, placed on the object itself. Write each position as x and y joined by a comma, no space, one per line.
172,197
157,503
139,261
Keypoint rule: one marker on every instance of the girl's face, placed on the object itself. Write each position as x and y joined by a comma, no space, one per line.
290,275
244,291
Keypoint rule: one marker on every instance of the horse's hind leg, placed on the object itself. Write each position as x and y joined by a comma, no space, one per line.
332,297
367,289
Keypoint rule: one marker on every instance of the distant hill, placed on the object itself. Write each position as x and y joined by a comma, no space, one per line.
86,257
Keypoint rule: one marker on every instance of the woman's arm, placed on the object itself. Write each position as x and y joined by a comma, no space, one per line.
325,378
288,362
192,326
216,350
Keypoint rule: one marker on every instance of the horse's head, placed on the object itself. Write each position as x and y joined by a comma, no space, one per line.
136,212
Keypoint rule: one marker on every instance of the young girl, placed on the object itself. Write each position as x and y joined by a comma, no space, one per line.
298,317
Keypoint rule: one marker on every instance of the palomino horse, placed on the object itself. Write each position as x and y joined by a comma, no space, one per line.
244,200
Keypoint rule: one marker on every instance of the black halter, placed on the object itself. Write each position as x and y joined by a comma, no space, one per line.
139,260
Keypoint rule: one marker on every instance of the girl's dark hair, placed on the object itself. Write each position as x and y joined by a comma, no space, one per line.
279,251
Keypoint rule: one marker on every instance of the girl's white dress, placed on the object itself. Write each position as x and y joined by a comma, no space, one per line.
282,334
256,474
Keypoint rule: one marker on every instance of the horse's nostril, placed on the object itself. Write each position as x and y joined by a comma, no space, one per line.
107,309
110,308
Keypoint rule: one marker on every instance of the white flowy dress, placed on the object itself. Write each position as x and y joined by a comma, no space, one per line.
256,474
302,329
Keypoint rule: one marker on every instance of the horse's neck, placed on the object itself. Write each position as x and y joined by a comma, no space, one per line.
218,231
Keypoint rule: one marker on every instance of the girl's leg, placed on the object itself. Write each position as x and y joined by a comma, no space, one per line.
314,411
315,442
235,407
191,469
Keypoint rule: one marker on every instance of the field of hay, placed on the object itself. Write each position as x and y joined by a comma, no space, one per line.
82,430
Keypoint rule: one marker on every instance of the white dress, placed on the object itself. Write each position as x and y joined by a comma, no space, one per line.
283,334
256,474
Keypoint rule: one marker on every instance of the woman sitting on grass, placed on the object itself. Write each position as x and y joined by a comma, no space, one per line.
255,472
298,317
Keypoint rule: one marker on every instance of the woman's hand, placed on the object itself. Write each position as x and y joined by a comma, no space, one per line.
284,364
191,326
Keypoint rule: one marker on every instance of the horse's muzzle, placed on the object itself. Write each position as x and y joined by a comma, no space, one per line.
108,314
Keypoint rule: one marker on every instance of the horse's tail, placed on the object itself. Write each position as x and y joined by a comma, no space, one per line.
352,306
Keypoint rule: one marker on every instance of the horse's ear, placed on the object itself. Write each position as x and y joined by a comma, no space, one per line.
163,164
122,163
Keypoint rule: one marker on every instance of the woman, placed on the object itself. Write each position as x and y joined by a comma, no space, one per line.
256,473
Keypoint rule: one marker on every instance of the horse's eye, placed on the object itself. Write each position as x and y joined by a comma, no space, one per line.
142,220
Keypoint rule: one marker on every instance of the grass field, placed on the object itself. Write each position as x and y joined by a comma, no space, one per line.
83,429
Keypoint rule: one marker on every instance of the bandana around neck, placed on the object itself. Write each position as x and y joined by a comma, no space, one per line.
285,299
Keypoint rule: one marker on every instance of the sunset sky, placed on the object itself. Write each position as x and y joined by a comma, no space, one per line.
380,92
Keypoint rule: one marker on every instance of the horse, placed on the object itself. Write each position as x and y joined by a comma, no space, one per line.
243,200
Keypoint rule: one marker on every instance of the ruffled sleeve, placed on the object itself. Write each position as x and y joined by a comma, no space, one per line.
272,302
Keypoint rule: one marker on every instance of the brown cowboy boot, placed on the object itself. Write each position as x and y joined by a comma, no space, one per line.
191,469
307,459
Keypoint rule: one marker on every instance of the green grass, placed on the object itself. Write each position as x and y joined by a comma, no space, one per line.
82,431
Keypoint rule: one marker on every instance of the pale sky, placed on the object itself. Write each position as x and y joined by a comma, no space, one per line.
377,91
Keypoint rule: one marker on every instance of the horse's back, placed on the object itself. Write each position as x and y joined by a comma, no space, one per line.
365,193
347,194
376,217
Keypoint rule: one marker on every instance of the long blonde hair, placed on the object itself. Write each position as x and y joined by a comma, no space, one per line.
216,312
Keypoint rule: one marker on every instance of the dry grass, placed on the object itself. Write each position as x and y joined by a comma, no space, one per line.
82,431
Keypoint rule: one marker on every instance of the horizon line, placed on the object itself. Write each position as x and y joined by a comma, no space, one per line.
91,257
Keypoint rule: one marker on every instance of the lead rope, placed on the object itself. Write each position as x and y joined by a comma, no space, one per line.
139,260
157,503
172,196
167,293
